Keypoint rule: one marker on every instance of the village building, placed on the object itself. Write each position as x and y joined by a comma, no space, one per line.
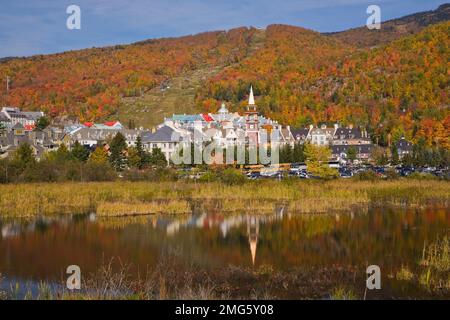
5,122
11,140
252,122
166,138
301,136
350,136
10,116
340,152
92,137
230,128
225,129
404,147
322,136
339,139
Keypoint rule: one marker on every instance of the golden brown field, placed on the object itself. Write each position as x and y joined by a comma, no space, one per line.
137,198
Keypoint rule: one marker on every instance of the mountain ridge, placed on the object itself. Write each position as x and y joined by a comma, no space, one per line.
393,29
300,76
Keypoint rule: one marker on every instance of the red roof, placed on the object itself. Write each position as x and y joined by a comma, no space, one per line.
110,123
29,127
207,117
89,124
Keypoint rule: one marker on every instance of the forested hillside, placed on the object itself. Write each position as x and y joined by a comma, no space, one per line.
302,77
393,29
90,83
299,76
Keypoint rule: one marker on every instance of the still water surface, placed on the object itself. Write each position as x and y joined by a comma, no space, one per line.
41,249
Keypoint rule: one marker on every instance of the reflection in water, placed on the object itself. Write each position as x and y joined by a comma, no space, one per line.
13,228
173,225
392,238
224,223
253,233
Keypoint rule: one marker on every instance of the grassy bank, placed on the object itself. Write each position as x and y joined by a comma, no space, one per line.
137,198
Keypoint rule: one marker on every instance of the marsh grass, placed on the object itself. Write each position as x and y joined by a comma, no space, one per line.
119,198
117,209
437,255
125,221
341,293
404,274
176,278
436,265
3,294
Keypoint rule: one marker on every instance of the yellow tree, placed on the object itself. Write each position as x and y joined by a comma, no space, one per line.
317,158
99,156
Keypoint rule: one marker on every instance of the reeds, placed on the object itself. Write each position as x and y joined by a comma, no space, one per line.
117,209
404,274
437,255
341,293
123,198
436,265
175,278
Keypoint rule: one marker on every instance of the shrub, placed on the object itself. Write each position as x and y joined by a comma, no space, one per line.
98,172
368,175
391,174
163,174
232,177
209,176
422,176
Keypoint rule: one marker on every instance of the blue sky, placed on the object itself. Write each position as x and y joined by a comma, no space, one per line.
30,27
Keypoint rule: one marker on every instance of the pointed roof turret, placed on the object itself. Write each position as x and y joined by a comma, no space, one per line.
251,99
223,109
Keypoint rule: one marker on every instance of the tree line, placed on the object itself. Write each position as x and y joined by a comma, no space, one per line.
105,163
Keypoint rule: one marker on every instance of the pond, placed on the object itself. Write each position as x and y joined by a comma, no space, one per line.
393,239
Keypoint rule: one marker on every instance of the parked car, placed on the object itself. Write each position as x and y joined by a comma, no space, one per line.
254,176
345,173
406,171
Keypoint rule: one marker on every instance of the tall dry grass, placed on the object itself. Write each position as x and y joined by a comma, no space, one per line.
119,198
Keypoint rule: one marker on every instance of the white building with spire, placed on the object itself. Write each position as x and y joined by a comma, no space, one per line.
231,128
252,121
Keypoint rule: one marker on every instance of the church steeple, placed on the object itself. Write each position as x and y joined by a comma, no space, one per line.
251,101
223,109
252,120
251,98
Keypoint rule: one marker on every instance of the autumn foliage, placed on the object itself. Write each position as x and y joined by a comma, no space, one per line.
299,77
302,77
90,83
